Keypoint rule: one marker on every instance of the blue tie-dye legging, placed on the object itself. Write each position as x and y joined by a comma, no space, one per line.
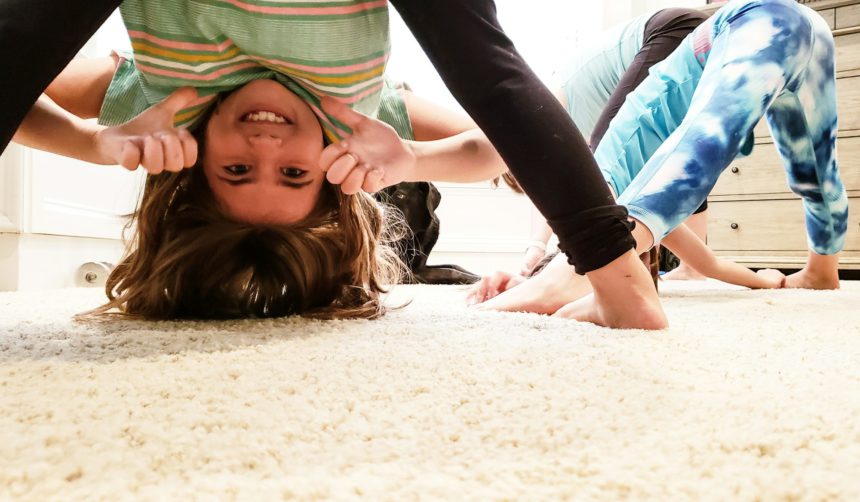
771,56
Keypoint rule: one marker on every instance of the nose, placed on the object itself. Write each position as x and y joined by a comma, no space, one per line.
263,139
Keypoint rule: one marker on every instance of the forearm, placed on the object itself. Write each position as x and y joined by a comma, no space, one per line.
696,254
464,158
540,228
50,128
735,273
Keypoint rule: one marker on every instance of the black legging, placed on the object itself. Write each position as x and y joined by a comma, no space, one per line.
479,64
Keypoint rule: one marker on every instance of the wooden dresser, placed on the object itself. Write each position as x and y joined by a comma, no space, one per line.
754,218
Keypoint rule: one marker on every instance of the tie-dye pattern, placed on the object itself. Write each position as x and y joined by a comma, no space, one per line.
769,57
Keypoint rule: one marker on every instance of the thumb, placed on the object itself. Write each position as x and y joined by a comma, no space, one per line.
180,99
343,113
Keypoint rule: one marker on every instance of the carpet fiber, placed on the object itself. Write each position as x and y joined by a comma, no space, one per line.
749,395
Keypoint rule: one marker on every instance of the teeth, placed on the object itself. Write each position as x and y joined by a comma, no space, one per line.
263,116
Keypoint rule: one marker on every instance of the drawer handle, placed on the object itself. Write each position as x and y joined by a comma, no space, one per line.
734,226
736,170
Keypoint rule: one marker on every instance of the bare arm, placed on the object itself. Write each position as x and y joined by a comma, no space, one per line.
430,121
448,145
81,87
55,123
149,140
375,157
691,250
465,158
50,128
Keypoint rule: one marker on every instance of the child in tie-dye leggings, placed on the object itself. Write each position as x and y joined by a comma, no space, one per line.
752,58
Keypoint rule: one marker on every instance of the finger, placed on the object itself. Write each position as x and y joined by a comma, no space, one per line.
178,100
172,148
331,153
153,155
189,147
487,290
498,280
341,168
130,156
478,291
353,182
343,113
373,181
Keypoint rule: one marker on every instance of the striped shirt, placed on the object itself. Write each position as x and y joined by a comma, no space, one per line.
313,47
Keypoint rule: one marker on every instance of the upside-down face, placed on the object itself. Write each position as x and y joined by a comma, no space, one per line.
261,156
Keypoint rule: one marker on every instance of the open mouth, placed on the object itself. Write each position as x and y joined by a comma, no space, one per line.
264,116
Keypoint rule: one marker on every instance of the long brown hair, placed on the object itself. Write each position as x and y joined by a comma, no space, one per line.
187,259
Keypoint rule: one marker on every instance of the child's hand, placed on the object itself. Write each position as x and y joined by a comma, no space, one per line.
373,158
150,139
774,278
533,256
491,286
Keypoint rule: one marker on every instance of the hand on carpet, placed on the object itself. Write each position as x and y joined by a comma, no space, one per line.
491,286
774,278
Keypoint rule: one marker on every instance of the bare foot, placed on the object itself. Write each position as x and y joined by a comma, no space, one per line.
820,272
806,280
683,273
624,297
555,286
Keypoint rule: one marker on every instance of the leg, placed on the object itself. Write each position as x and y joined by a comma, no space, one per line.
525,122
663,33
550,289
743,75
37,39
804,125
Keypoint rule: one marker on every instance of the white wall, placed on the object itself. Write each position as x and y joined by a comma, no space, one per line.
538,28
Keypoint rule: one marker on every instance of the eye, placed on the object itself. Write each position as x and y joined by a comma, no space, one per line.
238,169
293,172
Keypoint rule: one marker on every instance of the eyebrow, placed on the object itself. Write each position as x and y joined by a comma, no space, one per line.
283,183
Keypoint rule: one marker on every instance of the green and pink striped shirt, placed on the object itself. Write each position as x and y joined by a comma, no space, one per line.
314,47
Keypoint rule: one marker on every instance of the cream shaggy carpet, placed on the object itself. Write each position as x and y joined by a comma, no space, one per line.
748,396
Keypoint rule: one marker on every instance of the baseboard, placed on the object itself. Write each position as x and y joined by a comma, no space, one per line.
30,262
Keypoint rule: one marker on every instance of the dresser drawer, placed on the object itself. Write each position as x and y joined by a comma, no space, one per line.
768,225
846,17
763,172
847,52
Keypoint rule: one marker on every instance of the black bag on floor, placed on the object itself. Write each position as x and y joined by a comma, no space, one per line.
418,202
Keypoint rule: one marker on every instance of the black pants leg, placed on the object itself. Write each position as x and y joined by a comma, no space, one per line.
38,38
530,129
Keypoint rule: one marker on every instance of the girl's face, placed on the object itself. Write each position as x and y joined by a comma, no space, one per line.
263,145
